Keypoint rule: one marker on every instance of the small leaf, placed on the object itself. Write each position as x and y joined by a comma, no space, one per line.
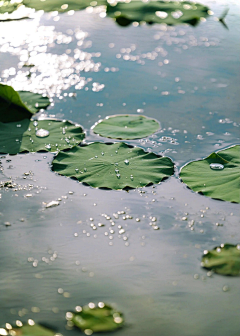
113,166
42,135
96,319
126,127
223,183
167,12
224,259
18,105
62,5
33,330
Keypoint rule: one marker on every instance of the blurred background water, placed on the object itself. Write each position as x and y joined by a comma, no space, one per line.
51,259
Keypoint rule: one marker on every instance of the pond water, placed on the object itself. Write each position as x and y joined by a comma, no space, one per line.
51,259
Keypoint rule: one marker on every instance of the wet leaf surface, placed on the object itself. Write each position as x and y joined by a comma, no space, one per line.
126,127
224,259
168,12
217,176
113,166
97,319
42,135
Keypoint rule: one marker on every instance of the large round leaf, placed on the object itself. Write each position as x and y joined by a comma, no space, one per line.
168,12
96,319
113,166
18,105
223,183
126,127
31,136
30,329
224,259
62,5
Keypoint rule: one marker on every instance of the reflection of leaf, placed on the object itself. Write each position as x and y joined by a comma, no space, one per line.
113,166
34,330
62,5
96,319
126,127
224,259
18,105
17,137
220,184
168,12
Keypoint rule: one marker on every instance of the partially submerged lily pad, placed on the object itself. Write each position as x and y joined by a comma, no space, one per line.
93,318
42,135
224,259
113,166
62,5
217,176
168,12
31,329
18,105
8,6
129,126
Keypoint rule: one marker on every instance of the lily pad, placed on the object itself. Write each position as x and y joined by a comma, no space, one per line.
113,166
29,330
168,12
217,176
62,5
93,318
32,136
18,105
8,6
126,127
224,259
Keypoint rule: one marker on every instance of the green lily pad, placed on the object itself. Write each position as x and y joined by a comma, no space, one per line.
224,259
128,126
113,166
28,330
8,6
18,105
222,181
168,12
62,5
31,136
96,319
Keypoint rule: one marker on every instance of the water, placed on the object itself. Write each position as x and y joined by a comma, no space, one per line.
216,166
187,79
42,133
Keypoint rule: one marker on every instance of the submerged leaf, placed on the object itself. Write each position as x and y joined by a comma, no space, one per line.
224,259
42,135
217,176
113,166
18,105
62,5
96,319
168,12
128,126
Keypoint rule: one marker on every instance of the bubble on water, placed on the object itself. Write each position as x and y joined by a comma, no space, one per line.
216,166
225,288
140,110
42,133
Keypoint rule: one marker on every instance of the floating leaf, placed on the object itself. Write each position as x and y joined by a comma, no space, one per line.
62,5
42,135
126,127
32,330
18,105
223,183
113,166
224,259
96,319
8,6
168,12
